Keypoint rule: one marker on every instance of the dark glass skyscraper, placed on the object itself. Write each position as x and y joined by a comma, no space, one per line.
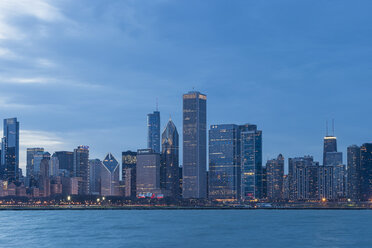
275,177
153,136
10,150
129,162
169,170
251,162
194,145
366,172
330,145
353,172
66,161
224,163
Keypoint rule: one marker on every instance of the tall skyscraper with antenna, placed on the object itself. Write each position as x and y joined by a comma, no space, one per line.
330,143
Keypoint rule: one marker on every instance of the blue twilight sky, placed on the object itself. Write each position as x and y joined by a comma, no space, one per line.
88,71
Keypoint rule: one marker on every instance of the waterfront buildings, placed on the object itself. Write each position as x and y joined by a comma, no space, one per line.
95,166
224,162
153,136
194,145
274,178
330,145
9,169
148,172
169,170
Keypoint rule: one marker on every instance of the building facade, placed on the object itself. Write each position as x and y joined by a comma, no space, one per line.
9,169
169,170
153,136
366,172
194,145
275,177
224,162
129,162
251,162
148,172
81,168
353,172
110,173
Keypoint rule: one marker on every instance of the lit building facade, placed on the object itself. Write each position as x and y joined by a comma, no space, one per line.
353,172
81,168
366,172
275,177
194,145
148,172
251,162
224,162
129,162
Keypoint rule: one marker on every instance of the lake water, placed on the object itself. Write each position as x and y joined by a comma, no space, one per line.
186,228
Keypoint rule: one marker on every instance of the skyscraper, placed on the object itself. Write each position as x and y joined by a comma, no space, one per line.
194,145
66,161
10,150
129,162
148,172
303,178
153,136
95,167
30,166
224,163
353,172
81,168
251,162
110,176
275,177
169,170
366,172
330,145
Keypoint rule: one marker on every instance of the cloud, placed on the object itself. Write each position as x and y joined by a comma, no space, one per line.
32,138
38,9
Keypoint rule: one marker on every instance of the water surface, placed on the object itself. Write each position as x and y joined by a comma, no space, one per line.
186,228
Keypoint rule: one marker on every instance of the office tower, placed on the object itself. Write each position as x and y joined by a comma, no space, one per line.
366,172
330,146
10,150
44,181
169,169
353,172
30,166
66,162
153,136
95,166
251,162
81,168
275,176
129,162
303,178
224,163
110,176
194,145
264,183
148,172
54,166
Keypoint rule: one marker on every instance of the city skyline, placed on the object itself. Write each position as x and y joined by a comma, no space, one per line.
288,83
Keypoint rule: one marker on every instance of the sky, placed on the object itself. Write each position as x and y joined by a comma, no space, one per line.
88,72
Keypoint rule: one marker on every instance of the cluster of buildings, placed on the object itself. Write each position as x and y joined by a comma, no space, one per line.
235,173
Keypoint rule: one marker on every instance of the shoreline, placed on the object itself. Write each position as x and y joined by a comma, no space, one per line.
74,208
